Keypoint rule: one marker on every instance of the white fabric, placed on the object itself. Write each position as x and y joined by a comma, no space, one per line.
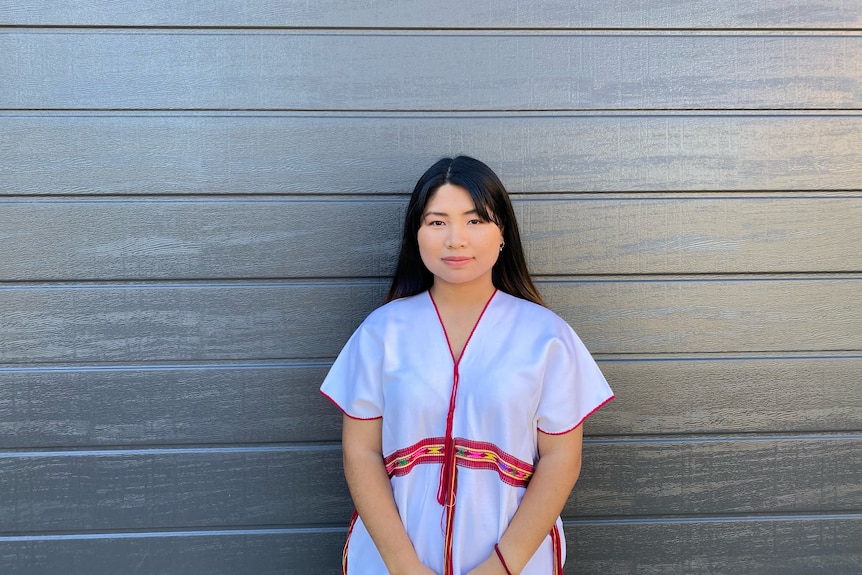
523,370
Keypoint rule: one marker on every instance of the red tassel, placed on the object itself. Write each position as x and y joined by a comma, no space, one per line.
448,468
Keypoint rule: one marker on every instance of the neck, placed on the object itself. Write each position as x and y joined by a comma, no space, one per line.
461,295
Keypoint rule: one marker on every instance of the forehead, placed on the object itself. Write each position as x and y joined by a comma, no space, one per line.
450,198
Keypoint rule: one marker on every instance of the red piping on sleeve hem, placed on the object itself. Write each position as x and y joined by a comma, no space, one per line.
345,412
584,418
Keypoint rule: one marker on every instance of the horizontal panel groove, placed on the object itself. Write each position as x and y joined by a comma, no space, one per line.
723,437
622,196
447,15
275,283
177,532
123,451
435,30
196,283
714,518
46,113
327,528
221,283
503,112
10,197
280,283
48,367
700,278
253,199
824,275
402,197
179,366
453,31
720,356
311,447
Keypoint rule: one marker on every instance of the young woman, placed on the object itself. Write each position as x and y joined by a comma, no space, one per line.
463,397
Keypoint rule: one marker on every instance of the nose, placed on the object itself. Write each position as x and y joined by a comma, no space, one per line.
456,237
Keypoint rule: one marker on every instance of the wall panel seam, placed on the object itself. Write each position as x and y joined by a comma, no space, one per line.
433,31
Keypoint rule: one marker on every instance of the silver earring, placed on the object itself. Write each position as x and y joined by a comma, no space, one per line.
502,246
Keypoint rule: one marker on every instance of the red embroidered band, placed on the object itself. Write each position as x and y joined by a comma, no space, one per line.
468,453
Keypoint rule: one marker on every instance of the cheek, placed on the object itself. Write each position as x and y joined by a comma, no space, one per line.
426,244
422,240
488,250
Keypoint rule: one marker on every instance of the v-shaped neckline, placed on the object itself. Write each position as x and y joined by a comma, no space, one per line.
447,487
457,360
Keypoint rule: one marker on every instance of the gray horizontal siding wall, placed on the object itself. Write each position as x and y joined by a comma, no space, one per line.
200,201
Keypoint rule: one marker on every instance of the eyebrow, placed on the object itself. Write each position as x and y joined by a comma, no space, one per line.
426,214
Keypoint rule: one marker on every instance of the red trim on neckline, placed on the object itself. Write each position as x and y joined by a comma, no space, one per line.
472,331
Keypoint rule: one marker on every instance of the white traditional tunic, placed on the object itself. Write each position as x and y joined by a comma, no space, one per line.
460,438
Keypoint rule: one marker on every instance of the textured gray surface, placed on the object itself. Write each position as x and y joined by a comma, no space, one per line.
662,14
333,153
199,201
302,321
797,546
241,403
176,488
292,70
566,234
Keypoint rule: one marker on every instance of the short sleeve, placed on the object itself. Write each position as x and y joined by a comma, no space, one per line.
354,381
573,386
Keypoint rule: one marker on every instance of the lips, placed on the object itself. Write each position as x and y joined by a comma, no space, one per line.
457,260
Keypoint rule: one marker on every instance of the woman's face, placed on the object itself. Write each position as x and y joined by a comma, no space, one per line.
455,243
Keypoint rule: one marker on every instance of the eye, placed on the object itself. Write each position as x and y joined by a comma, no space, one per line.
434,223
475,221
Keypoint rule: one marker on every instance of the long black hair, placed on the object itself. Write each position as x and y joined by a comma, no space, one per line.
492,203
